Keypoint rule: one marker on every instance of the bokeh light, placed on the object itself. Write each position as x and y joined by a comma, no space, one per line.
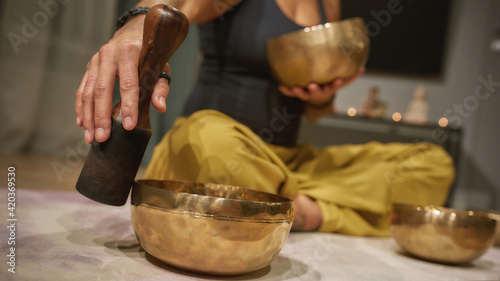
396,116
443,122
351,111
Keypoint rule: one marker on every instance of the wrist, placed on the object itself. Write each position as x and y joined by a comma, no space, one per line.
130,15
133,29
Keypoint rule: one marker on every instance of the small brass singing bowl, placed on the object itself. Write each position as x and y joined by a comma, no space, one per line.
319,53
210,228
440,234
496,216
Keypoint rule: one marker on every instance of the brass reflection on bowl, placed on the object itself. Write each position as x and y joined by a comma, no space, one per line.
496,216
210,228
319,53
440,234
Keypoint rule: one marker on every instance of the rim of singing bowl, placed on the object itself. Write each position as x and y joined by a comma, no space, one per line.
429,208
212,200
344,43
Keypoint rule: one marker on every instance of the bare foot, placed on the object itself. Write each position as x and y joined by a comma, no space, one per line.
307,214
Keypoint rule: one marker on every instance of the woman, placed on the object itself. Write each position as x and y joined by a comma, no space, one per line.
239,127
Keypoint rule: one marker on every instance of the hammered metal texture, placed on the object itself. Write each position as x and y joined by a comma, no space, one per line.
441,234
319,53
210,228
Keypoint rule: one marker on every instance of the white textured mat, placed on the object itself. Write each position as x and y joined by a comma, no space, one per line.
64,236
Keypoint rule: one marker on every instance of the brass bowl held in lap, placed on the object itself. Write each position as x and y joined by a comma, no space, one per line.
210,228
440,234
319,53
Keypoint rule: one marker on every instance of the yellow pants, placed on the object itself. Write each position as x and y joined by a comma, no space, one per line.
354,185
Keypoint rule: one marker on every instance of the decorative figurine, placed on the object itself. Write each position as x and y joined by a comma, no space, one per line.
372,106
418,109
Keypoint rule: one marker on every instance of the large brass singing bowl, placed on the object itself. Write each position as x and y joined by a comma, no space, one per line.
441,234
210,228
319,53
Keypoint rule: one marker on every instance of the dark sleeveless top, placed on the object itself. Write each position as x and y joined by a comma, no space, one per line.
234,76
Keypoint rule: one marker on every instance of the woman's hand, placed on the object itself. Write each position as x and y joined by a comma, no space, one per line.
318,99
119,58
320,94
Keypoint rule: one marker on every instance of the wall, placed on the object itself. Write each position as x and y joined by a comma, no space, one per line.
485,164
44,48
469,61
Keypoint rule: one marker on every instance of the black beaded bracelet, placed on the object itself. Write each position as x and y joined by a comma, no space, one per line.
122,20
320,106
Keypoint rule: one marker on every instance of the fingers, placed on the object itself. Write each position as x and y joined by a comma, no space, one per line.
301,93
286,91
160,92
321,94
103,93
88,99
128,63
94,96
295,92
79,102
314,89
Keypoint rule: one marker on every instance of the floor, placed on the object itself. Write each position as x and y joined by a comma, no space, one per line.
63,234
42,172
97,242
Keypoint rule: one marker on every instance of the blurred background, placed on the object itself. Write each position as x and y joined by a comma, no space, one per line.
450,49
